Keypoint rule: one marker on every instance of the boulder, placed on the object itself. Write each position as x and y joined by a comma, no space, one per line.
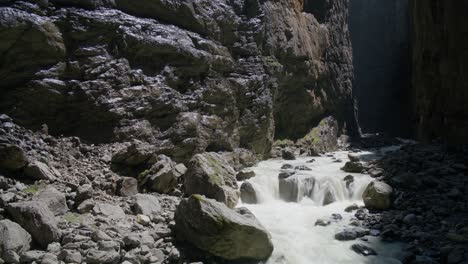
37,219
288,154
248,194
353,167
213,227
322,138
53,199
95,256
13,238
363,250
12,157
303,168
137,154
245,175
351,234
211,175
127,186
353,157
240,158
109,211
287,166
162,177
146,204
329,197
378,195
41,171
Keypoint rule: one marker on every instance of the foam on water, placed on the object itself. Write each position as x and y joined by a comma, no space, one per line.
295,237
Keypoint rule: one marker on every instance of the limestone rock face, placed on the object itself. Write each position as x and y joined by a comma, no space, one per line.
213,227
378,195
210,174
186,76
440,103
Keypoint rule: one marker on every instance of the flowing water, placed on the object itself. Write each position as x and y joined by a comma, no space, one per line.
292,224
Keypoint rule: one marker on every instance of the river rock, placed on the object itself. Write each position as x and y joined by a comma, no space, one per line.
295,187
13,238
37,219
12,157
288,154
287,166
210,174
363,250
245,174
213,227
303,168
53,199
41,171
248,194
378,195
353,167
351,234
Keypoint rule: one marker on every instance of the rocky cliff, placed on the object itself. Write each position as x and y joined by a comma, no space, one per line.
188,76
440,53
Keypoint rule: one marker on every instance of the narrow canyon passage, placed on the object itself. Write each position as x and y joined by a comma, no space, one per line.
320,196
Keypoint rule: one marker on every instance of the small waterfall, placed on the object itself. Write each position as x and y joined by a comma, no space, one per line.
290,206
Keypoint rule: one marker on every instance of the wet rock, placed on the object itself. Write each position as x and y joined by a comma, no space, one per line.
248,194
303,168
146,204
351,234
410,219
37,219
322,222
245,175
351,208
213,227
53,199
41,171
287,154
329,197
13,238
378,195
353,167
353,157
210,174
363,250
12,157
127,186
287,166
295,187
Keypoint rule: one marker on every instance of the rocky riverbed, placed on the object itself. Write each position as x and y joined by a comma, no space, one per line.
65,201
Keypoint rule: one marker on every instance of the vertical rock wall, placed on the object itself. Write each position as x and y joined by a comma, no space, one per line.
440,69
381,52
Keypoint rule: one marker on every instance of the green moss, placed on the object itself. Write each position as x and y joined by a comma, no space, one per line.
34,188
72,218
312,137
217,177
143,175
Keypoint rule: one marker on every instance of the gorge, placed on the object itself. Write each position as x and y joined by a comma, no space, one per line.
233,131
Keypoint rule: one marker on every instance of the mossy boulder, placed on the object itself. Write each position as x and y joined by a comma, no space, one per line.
211,175
378,195
322,138
229,234
353,167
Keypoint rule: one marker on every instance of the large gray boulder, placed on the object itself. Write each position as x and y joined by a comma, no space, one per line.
12,157
53,199
211,175
37,219
378,195
146,204
109,211
213,227
41,171
322,138
353,167
13,238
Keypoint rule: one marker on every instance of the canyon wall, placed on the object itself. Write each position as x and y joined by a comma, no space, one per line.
440,69
380,34
187,76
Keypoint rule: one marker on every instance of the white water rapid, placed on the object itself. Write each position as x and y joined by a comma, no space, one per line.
292,224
